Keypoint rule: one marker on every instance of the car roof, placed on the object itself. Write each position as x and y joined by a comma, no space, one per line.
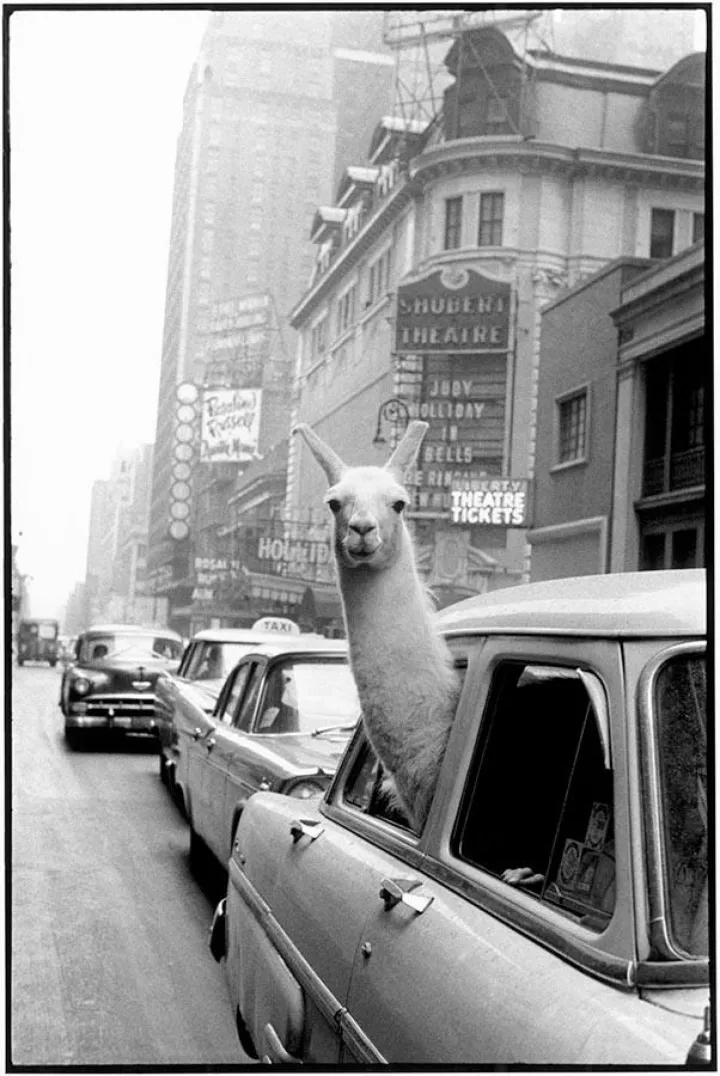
130,629
234,635
633,604
300,645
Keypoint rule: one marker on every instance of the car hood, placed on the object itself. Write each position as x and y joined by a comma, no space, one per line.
302,751
204,693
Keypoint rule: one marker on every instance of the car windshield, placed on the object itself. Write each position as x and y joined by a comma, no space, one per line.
681,715
128,647
213,661
303,696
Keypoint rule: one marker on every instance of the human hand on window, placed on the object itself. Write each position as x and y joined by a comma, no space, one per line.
522,876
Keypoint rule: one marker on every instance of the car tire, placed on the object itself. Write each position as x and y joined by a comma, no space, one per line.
20,661
198,852
53,663
72,739
164,776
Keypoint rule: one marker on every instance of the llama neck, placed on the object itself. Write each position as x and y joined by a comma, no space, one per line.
388,609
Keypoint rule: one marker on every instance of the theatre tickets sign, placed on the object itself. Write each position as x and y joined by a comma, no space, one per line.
453,310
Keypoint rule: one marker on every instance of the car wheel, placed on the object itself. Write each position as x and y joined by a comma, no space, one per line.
20,661
72,738
163,770
53,663
198,852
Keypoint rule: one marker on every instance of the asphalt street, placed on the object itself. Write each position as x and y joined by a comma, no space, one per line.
109,926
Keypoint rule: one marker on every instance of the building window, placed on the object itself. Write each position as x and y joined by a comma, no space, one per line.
318,338
662,232
453,223
572,428
677,135
698,232
492,209
496,115
675,424
346,309
378,278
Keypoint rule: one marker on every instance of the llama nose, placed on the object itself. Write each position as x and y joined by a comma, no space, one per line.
362,526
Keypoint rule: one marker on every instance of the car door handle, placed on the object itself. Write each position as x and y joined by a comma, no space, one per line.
197,733
210,743
275,1053
399,891
304,827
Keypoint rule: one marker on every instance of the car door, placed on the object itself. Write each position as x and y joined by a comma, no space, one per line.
191,722
480,970
215,750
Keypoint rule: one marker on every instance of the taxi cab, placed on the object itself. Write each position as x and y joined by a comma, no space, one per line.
554,909
281,722
206,663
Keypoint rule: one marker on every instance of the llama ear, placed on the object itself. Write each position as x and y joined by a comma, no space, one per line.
406,452
328,459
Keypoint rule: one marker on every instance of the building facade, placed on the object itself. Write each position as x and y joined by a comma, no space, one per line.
256,154
620,469
664,362
437,257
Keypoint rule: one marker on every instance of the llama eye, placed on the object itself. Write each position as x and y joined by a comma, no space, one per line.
334,505
398,506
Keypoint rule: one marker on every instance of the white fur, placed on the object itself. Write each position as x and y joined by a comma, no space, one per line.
403,670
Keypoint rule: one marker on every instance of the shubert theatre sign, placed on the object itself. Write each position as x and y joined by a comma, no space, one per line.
453,310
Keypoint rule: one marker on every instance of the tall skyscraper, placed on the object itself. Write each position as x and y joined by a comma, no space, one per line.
256,155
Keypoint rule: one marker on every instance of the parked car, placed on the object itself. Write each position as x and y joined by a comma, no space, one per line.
37,640
206,663
281,722
577,763
110,683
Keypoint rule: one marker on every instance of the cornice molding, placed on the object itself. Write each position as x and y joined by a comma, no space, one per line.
516,154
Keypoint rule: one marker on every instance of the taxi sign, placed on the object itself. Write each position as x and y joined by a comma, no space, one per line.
276,623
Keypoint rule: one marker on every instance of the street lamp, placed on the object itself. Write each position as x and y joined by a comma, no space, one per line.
392,410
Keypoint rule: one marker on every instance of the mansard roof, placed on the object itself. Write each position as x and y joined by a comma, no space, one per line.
388,133
327,219
355,178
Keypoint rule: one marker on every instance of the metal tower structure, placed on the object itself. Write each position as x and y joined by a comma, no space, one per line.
421,39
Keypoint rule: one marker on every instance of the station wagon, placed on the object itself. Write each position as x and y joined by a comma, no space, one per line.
554,908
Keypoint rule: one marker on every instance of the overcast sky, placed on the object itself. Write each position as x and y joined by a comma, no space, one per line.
95,110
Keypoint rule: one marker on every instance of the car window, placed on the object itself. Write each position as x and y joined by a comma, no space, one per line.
245,714
308,696
537,811
681,718
232,694
369,790
214,660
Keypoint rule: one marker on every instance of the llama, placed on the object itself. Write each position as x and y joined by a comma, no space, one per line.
406,682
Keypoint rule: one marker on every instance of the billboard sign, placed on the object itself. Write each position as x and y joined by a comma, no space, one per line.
453,310
230,425
492,502
239,329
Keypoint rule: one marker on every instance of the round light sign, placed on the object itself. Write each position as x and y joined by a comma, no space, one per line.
186,413
179,510
183,452
184,433
181,471
181,491
187,392
179,529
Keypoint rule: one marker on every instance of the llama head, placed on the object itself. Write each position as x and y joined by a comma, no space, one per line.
367,503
